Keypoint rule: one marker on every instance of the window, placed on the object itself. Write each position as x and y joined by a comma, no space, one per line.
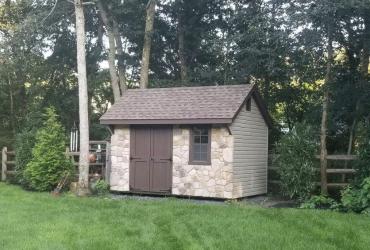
200,146
248,104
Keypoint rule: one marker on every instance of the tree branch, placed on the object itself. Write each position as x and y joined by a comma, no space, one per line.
51,12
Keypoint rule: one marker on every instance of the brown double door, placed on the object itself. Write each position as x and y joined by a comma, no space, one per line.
151,159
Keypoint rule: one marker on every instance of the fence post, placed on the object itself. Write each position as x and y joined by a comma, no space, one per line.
4,159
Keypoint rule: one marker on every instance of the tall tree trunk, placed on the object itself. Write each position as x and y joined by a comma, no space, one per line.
324,119
351,138
144,72
12,114
364,73
83,180
120,57
111,51
323,149
182,57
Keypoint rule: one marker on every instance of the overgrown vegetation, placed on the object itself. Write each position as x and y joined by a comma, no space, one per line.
353,199
320,202
362,165
357,199
100,187
49,162
296,162
25,141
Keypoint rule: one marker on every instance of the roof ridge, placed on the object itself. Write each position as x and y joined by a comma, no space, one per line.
191,87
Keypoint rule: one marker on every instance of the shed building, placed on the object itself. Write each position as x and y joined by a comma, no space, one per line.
209,141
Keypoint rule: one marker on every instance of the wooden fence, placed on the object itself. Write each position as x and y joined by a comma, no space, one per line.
334,171
7,163
98,169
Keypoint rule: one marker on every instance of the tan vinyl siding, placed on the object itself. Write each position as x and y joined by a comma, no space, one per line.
250,134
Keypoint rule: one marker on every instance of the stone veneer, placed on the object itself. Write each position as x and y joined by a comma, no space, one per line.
120,158
213,180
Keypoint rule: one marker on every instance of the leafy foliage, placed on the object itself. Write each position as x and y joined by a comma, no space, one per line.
296,161
320,202
25,141
49,162
362,165
353,199
101,187
357,199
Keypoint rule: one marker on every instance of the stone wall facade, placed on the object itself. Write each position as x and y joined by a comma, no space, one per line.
120,158
213,180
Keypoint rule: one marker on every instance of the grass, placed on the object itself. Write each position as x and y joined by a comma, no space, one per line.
40,221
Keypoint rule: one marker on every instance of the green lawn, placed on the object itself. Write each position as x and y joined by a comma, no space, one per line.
39,221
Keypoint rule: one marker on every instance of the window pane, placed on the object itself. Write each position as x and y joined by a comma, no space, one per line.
204,131
203,148
204,139
196,139
196,131
196,148
197,156
204,156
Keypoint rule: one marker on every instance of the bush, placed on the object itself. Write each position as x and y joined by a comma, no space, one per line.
320,202
101,187
25,141
357,199
296,161
362,165
49,162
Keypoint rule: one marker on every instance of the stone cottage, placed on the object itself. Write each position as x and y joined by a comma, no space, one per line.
209,141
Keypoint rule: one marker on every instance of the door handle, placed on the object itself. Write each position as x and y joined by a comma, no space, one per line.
134,158
168,159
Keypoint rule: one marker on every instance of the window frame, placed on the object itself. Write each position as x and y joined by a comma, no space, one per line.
191,146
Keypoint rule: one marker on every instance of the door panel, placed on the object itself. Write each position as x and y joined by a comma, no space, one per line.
151,159
161,177
141,176
140,159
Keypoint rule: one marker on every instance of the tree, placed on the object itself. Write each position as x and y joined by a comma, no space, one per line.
49,162
324,119
83,180
144,72
111,51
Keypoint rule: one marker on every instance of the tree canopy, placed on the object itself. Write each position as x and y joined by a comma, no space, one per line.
279,45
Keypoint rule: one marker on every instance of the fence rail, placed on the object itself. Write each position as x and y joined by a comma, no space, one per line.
273,168
99,169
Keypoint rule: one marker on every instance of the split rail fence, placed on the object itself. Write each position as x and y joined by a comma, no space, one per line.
338,171
101,168
7,163
98,169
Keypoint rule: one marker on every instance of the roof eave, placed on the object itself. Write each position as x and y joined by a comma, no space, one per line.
165,121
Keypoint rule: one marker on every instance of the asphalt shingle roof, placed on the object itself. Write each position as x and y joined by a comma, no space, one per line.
179,105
